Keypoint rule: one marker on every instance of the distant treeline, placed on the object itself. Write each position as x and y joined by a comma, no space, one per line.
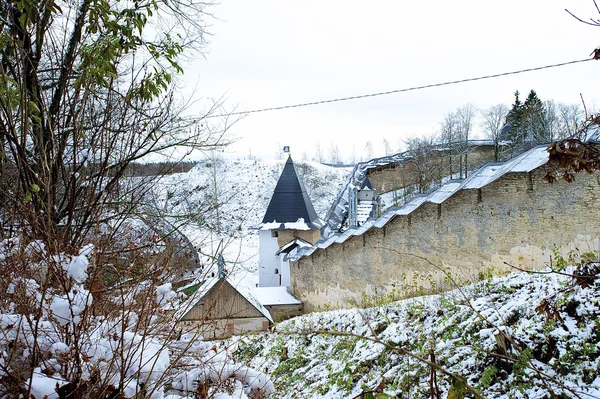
158,168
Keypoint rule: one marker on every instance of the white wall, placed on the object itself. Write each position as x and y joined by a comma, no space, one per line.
285,273
268,262
365,195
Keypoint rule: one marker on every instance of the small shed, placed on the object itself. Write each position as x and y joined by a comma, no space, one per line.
220,309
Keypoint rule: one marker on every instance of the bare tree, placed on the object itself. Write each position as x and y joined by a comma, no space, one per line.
449,138
422,159
369,149
576,153
387,148
465,116
571,118
85,91
492,122
80,104
551,120
334,153
319,156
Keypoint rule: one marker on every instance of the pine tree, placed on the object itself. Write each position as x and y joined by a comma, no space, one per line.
533,120
514,118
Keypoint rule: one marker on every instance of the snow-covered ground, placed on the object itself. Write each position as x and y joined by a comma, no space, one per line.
523,335
218,203
55,346
134,349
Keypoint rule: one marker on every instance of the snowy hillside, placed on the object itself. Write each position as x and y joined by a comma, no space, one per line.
519,336
221,200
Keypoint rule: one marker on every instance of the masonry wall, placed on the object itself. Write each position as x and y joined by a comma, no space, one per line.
286,236
517,219
284,312
397,175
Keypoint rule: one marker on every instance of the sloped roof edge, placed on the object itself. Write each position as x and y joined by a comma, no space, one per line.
490,172
290,200
204,289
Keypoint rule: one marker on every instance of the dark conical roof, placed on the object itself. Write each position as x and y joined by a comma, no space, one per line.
366,184
290,201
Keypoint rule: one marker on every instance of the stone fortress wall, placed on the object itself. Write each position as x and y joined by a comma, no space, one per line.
404,173
517,218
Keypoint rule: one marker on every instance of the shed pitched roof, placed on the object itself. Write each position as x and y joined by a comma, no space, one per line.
290,202
208,286
269,296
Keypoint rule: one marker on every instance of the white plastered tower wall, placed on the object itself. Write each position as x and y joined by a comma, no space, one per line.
269,268
289,216
285,272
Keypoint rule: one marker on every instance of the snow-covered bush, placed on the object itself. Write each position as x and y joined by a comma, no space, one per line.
86,325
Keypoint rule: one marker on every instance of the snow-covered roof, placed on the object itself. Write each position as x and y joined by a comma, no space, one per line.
290,202
275,296
338,210
593,134
296,242
485,175
208,285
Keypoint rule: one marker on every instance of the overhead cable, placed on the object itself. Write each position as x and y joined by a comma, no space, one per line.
384,93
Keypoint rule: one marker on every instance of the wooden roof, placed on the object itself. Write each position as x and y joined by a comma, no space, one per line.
219,299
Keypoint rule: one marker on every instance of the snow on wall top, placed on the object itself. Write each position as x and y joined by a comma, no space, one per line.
338,211
444,192
525,162
485,175
275,296
593,134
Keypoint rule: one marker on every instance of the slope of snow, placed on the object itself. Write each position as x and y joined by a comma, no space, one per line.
518,336
218,202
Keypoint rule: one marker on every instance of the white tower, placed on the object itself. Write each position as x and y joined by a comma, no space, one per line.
290,222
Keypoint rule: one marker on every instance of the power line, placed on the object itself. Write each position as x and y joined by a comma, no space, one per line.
384,93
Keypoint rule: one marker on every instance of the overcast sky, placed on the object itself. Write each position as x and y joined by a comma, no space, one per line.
267,53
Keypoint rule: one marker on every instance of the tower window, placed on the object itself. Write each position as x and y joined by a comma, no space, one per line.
274,233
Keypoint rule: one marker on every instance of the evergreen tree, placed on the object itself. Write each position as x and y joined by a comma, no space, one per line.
514,118
533,120
529,122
